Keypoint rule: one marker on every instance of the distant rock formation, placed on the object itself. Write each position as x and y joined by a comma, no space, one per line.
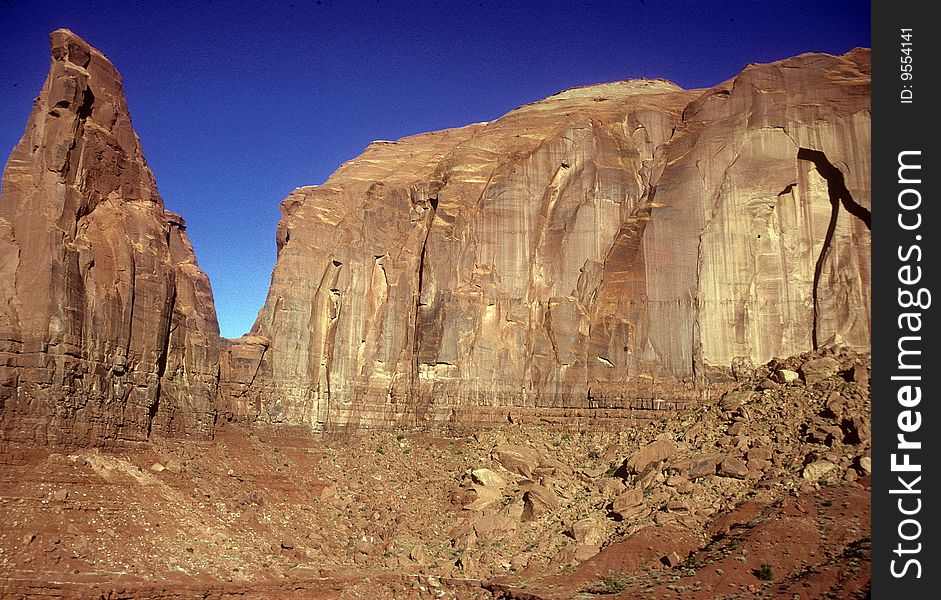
611,248
571,252
107,325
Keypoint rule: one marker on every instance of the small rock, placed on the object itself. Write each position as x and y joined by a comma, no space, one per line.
671,560
818,369
628,504
488,478
537,501
865,465
859,374
769,384
818,469
586,531
287,543
521,460
786,376
490,528
60,495
652,453
157,468
733,467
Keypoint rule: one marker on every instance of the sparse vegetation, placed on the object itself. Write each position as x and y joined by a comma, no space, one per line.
765,572
613,583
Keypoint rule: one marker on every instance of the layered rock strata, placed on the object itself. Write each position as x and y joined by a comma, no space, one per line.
107,325
605,248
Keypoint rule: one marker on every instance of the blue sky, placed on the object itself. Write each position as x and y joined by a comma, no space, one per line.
237,103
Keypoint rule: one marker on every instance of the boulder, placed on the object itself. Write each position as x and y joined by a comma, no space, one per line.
486,477
491,528
818,369
521,460
587,531
538,500
818,470
733,467
650,454
629,504
786,376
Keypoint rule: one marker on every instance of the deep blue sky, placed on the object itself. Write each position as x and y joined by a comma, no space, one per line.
237,103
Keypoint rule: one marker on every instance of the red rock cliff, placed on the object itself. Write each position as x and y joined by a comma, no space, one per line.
107,325
566,253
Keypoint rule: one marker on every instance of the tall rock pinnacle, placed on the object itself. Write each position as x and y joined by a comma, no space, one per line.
107,324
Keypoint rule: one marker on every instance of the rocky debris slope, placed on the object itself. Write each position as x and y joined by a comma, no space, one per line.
769,474
107,325
562,256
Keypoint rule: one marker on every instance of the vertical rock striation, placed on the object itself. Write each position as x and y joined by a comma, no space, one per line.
610,248
107,325
584,252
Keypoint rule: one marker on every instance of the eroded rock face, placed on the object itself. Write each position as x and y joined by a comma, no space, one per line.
107,325
588,251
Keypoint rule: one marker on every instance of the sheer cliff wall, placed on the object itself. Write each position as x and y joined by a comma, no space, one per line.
608,247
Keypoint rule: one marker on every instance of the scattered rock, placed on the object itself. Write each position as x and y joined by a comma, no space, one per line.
287,543
653,452
818,469
818,369
485,496
486,477
587,531
521,460
490,528
785,376
733,467
671,560
538,500
629,504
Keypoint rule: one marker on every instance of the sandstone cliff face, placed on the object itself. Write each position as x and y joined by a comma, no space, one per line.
107,325
568,253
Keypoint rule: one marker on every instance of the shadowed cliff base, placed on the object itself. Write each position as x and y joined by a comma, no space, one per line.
764,491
